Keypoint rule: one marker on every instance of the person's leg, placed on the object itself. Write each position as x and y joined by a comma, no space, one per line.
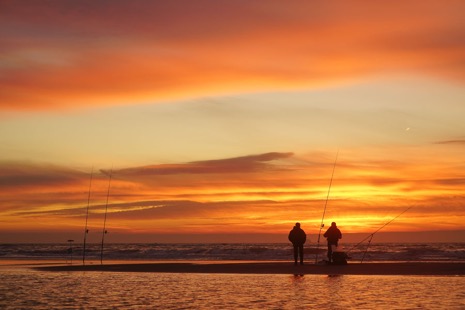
295,253
301,253
330,252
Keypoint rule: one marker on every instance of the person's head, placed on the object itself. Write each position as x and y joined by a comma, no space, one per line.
297,225
333,224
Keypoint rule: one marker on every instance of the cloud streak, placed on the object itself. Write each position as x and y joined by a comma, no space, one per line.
248,193
244,164
66,55
452,142
13,175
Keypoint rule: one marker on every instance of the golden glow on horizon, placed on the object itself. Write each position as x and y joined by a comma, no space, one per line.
269,91
355,204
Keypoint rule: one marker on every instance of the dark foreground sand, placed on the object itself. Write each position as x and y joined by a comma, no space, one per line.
398,268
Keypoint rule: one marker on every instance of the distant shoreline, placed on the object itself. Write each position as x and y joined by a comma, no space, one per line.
394,268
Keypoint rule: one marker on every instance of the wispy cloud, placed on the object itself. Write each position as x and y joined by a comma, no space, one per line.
453,142
245,193
251,163
24,175
64,55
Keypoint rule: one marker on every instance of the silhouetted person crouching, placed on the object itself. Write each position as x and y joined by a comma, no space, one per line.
298,237
333,234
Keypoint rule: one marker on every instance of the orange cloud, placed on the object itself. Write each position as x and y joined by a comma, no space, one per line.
245,194
243,164
455,142
66,55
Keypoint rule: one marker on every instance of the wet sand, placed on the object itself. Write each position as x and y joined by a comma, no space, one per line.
394,268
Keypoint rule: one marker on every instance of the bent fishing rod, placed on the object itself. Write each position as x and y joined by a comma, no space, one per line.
370,236
104,232
324,210
86,231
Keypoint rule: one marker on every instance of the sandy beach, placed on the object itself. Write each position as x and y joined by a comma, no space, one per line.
397,268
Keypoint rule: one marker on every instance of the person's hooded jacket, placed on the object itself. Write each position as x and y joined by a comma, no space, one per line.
333,234
297,236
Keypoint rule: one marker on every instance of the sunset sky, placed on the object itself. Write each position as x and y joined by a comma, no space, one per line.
221,121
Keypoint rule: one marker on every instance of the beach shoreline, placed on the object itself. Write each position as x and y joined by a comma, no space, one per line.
256,267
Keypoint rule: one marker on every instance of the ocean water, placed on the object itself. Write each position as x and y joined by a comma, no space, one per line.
26,288
22,287
234,251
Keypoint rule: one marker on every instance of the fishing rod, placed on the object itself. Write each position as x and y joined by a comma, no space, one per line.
324,210
86,231
373,233
104,232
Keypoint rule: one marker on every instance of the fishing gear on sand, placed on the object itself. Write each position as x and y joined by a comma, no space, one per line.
86,231
324,210
370,236
104,231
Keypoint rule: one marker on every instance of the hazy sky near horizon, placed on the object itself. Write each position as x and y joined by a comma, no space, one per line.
226,116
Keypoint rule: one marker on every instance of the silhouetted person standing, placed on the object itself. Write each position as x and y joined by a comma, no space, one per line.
298,237
333,234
